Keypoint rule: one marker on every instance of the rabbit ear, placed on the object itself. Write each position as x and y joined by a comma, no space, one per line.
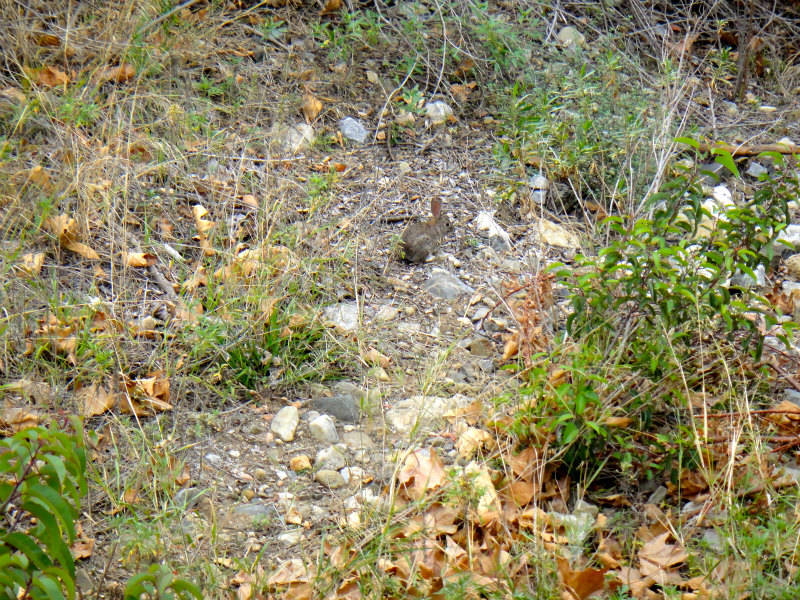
436,207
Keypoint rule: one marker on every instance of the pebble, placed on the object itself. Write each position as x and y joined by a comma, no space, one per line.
445,286
300,463
285,423
324,429
330,459
260,474
344,407
291,538
330,478
357,440
214,459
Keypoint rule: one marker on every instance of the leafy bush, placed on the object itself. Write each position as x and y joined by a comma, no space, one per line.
652,314
41,483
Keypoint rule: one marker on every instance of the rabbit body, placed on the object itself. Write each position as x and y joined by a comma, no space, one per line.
420,240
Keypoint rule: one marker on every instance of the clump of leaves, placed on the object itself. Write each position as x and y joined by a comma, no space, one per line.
41,483
658,316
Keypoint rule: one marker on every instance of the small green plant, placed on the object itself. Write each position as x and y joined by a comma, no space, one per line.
160,583
41,484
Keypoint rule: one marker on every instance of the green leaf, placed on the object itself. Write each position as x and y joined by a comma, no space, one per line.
64,511
726,160
28,547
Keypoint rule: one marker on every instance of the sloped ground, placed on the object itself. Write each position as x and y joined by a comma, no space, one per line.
169,255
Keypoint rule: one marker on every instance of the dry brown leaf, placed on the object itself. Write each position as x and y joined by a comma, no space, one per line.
83,545
488,506
462,92
139,259
786,414
293,571
18,418
617,421
312,106
331,6
250,201
39,176
609,552
637,582
204,226
66,229
32,263
38,391
49,77
95,400
657,556
521,492
46,39
511,348
580,584
373,357
472,441
422,470
119,74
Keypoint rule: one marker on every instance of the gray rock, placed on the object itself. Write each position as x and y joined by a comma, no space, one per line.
353,474
538,182
357,440
256,509
497,236
486,365
585,508
745,281
446,286
284,424
298,137
353,130
710,172
755,170
423,412
387,312
290,538
189,497
343,316
214,459
329,458
792,395
791,236
438,111
345,407
569,36
480,313
712,538
324,429
330,478
657,497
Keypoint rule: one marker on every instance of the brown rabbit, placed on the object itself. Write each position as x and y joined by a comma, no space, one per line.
420,240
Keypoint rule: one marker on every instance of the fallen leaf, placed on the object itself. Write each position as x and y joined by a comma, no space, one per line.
18,418
120,74
46,39
312,106
620,422
422,471
657,557
83,546
373,357
580,584
293,571
139,259
471,441
32,263
95,400
66,229
50,77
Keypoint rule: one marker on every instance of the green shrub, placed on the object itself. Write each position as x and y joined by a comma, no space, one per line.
656,321
41,483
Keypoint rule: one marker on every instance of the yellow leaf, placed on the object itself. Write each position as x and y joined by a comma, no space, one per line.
50,77
311,107
31,264
139,259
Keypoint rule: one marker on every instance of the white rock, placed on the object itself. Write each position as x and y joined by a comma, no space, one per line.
284,424
755,169
343,316
556,235
298,137
291,538
498,237
329,459
324,429
569,36
791,236
352,129
387,312
438,111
